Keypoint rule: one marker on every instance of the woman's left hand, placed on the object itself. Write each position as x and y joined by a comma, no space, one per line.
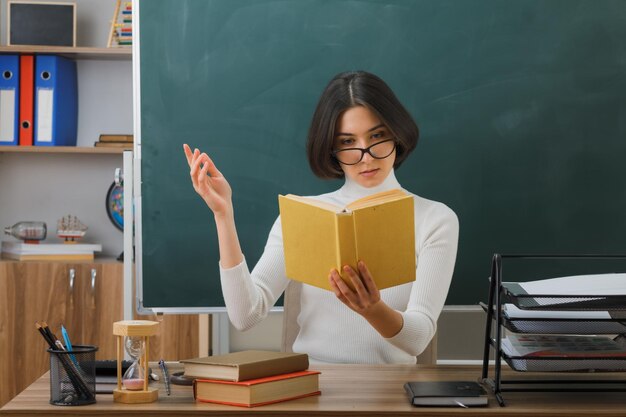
365,295
365,299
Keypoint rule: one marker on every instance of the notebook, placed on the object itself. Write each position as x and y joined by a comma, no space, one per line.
446,394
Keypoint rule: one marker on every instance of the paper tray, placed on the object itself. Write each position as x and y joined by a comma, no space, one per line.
547,364
571,326
513,293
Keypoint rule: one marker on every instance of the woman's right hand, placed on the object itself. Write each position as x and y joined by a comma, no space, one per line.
209,182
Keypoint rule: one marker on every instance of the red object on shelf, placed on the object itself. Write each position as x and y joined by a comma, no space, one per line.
27,82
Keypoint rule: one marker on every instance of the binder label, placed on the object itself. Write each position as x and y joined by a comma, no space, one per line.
44,114
7,115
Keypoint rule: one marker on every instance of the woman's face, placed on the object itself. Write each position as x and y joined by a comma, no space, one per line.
358,127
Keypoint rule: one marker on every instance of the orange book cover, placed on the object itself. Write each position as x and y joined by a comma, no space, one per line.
258,392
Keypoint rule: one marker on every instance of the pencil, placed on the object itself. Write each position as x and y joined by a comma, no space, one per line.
73,373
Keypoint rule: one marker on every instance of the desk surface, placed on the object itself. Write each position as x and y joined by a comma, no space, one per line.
346,390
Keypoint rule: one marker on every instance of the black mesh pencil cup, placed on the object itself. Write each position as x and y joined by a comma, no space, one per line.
73,376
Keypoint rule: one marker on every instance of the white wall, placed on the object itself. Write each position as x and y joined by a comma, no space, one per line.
47,187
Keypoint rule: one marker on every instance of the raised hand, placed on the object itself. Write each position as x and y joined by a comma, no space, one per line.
209,182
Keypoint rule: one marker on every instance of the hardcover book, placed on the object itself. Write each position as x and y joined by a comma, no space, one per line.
256,392
377,229
116,138
128,145
446,394
245,365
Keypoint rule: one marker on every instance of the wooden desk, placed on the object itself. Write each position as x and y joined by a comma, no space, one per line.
346,390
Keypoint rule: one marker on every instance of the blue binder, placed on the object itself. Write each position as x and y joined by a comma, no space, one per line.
56,101
9,99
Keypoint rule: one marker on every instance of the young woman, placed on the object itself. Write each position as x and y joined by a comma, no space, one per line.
361,132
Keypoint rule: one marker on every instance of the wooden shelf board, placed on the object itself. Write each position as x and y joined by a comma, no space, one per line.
96,260
61,149
79,52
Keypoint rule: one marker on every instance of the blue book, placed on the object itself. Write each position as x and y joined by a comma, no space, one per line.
56,101
9,99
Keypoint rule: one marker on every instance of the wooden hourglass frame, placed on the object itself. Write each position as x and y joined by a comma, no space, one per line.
134,328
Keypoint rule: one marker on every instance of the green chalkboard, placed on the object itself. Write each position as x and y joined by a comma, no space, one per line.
521,106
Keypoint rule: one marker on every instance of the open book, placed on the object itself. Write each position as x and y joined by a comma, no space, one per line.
377,229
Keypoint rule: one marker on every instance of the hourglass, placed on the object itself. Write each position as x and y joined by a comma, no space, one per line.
133,379
132,337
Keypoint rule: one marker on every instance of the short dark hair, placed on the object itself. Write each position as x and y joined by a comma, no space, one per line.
350,89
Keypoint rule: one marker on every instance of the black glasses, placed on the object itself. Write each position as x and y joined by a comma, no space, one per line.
352,156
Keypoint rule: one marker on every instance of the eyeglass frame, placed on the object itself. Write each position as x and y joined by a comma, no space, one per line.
366,150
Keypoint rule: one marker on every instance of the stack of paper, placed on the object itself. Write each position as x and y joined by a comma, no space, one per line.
49,251
546,353
562,346
541,303
572,289
564,322
582,285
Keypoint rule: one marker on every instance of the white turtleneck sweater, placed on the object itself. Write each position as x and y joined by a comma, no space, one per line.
329,330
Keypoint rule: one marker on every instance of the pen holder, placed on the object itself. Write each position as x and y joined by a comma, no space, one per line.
73,376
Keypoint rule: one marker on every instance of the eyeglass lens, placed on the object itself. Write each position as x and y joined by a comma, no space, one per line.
380,150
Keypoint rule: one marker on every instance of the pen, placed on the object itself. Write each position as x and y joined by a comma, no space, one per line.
460,404
166,377
68,344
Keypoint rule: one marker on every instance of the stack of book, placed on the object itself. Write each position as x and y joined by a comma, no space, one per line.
251,378
115,141
49,251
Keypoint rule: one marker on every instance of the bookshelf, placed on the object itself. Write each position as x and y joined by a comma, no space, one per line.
105,106
48,182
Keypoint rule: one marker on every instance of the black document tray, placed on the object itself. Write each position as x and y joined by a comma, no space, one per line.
513,293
